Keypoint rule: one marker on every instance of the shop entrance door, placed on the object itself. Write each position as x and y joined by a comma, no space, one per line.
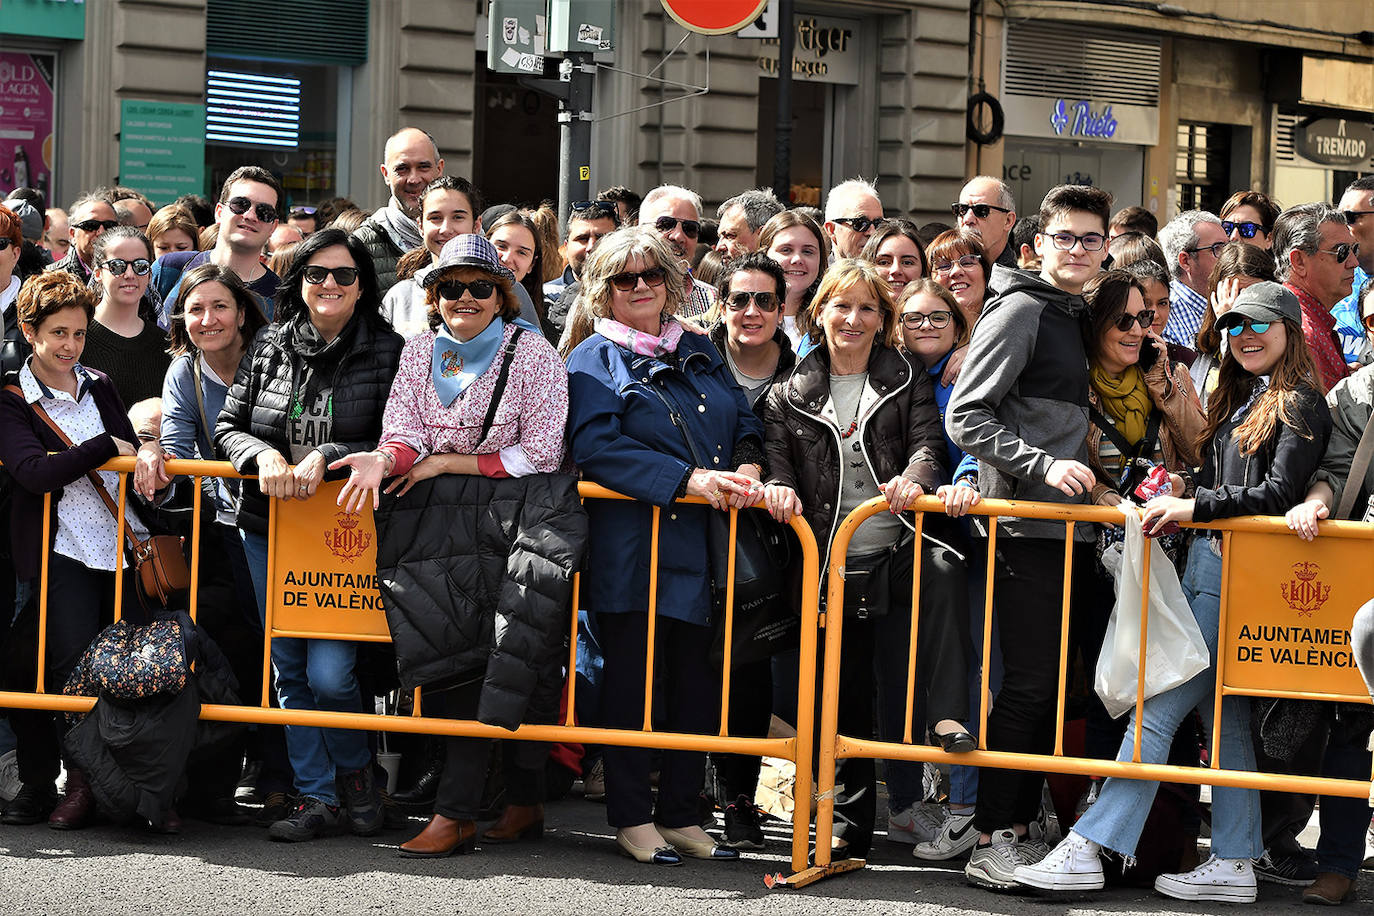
516,158
1031,169
811,138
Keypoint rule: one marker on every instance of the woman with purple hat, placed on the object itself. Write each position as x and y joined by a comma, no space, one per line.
439,420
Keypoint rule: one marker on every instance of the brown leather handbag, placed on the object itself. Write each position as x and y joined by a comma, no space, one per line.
159,562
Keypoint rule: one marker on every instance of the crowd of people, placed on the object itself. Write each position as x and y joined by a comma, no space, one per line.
441,354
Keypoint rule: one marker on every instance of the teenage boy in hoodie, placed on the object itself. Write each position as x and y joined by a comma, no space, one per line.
1020,407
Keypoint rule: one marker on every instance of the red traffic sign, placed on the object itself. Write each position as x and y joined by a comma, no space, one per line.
714,17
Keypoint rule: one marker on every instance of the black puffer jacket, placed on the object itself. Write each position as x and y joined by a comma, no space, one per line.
255,410
476,578
385,253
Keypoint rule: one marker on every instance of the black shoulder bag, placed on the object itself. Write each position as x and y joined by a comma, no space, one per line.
1137,457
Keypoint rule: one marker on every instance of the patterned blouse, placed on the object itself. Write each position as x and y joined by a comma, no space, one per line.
527,434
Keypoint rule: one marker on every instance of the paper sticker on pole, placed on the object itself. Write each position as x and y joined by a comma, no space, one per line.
714,17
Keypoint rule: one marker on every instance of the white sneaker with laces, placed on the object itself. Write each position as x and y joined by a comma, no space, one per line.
956,836
1219,880
1073,865
919,823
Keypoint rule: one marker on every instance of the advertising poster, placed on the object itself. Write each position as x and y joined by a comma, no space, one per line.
27,120
162,148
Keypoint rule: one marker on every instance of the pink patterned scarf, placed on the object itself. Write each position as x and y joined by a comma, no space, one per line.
638,341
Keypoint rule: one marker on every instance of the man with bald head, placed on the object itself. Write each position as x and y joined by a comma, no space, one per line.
987,209
410,161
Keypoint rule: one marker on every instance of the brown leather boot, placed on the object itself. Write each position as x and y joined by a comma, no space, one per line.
442,836
77,805
1330,889
517,822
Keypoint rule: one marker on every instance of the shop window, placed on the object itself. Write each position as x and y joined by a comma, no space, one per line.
1203,166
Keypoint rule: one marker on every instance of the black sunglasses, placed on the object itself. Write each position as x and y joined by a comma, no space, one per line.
5,242
117,266
860,223
981,211
302,211
315,274
1353,216
1126,321
240,205
1342,251
666,224
92,225
1247,229
654,276
607,206
766,301
453,290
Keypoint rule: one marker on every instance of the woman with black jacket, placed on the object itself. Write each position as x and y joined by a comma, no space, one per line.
856,419
1267,428
311,390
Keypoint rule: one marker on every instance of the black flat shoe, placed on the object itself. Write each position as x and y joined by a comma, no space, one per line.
960,742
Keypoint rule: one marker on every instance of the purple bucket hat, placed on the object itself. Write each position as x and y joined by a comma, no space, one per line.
469,250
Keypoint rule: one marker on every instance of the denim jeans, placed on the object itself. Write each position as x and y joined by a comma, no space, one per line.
312,674
1118,817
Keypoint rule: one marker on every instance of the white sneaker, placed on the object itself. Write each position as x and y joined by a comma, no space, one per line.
1220,880
1369,837
920,823
994,866
1073,865
956,836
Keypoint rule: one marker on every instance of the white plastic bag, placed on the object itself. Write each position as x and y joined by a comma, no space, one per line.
1176,651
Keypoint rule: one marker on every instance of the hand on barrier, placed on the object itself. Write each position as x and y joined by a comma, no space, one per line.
126,449
722,489
1164,509
1304,518
782,502
274,475
901,493
1072,478
308,475
368,469
958,499
150,474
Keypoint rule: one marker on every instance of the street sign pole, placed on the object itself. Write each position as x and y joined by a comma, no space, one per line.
782,135
575,132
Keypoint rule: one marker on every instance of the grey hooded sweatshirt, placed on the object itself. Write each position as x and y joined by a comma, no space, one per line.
1021,401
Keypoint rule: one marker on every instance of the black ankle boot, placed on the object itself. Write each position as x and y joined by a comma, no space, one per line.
418,799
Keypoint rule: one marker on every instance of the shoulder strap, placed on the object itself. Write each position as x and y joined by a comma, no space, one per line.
196,373
91,475
508,354
1144,448
1358,467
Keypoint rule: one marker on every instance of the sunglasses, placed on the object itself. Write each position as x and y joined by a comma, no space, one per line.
914,321
343,276
302,211
1065,241
860,223
766,301
1214,248
95,225
1259,327
654,276
981,211
1343,251
117,266
1247,229
607,206
453,290
1353,216
666,224
240,205
966,261
5,242
1144,318
1369,322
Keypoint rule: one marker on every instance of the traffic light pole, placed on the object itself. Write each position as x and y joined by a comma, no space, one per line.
782,132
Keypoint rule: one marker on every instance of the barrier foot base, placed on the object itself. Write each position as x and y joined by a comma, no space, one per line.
812,875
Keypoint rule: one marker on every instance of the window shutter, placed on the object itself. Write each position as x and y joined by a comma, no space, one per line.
297,31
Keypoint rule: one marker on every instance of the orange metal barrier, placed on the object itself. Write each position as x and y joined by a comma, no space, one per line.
1297,598
303,536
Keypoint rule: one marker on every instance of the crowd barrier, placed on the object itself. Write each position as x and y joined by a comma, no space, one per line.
1286,610
1297,599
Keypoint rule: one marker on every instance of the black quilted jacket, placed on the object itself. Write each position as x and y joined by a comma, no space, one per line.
384,251
476,578
255,409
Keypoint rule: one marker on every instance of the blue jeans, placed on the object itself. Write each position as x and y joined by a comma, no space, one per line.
312,674
1117,818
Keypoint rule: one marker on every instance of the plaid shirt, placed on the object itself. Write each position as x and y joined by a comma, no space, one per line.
1186,309
1319,327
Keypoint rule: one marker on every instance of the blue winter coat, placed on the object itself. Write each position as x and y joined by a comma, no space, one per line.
621,435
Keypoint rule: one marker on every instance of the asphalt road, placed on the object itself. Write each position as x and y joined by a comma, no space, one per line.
575,869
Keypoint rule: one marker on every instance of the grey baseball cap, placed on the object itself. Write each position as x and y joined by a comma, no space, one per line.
1266,301
30,220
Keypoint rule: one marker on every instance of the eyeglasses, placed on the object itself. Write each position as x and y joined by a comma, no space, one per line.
1126,321
1259,327
1214,248
766,301
453,289
914,321
343,276
94,225
117,266
966,261
860,223
666,224
1247,229
654,276
1351,216
1369,322
1065,241
1343,251
241,205
981,211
